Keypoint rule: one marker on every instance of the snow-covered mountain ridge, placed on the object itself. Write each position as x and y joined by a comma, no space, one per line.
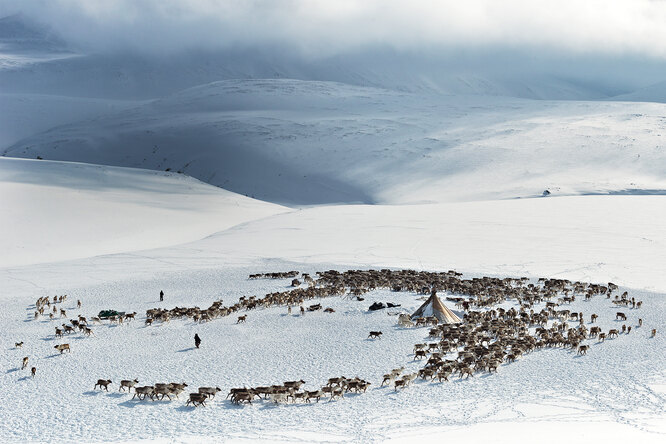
301,142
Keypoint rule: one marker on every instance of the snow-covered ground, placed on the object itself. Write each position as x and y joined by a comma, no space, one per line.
55,211
616,390
618,386
419,169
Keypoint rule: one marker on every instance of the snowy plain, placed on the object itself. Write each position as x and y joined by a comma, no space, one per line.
436,177
617,389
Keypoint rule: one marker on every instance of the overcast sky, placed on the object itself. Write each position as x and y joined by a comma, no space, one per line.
328,27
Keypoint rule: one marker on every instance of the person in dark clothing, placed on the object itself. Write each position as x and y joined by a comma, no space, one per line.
161,296
197,340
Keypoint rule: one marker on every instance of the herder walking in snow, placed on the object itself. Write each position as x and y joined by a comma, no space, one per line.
197,340
161,296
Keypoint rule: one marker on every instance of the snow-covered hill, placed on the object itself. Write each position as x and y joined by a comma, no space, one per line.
652,93
297,142
55,211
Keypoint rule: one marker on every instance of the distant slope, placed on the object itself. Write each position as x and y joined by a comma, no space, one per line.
297,142
22,115
55,211
652,93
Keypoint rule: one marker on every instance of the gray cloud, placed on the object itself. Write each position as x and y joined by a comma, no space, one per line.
528,48
324,28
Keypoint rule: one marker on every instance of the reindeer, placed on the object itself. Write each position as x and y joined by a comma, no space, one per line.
279,397
18,344
336,393
127,383
420,354
176,388
209,391
621,316
162,389
62,347
375,335
400,383
316,394
582,349
197,399
33,371
336,381
25,363
243,397
144,391
444,374
295,385
654,333
241,319
103,383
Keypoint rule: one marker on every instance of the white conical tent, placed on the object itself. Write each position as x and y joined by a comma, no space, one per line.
434,307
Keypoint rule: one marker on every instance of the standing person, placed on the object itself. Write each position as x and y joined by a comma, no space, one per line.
161,296
197,340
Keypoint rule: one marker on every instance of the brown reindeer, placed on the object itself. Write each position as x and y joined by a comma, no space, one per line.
420,354
103,383
375,335
25,363
197,399
62,347
241,319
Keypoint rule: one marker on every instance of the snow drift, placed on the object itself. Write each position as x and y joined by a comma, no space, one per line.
55,211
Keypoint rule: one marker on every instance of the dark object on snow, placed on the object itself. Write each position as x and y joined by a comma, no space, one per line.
375,335
197,340
360,299
546,193
391,305
106,314
161,295
314,307
377,306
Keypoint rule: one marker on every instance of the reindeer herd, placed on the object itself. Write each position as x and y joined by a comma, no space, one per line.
489,336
